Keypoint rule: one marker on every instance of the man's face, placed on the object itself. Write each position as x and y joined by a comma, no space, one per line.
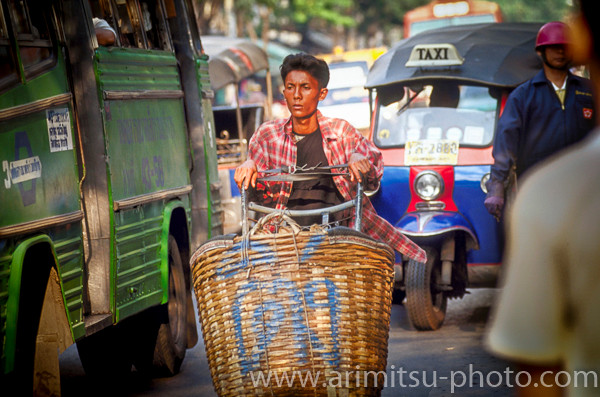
302,93
557,57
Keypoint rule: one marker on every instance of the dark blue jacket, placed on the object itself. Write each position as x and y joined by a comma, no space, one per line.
534,125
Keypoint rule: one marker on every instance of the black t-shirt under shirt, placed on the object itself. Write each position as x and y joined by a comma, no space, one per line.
316,193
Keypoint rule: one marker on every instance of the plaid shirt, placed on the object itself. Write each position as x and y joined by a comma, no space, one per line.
272,146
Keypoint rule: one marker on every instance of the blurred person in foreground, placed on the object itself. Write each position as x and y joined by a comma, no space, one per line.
542,116
547,317
309,139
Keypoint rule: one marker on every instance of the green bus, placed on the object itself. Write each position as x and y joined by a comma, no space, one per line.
110,180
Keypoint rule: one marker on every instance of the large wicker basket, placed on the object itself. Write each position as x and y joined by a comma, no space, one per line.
310,309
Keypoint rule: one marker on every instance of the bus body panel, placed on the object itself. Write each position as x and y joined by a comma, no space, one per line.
39,168
215,207
40,194
141,236
144,154
147,155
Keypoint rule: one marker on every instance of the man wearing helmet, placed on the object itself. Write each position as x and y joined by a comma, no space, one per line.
545,114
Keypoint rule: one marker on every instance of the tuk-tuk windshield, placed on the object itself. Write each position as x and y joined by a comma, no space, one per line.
459,113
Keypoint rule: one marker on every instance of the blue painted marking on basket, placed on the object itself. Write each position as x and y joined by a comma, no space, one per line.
267,318
314,242
297,316
252,363
235,265
265,329
310,289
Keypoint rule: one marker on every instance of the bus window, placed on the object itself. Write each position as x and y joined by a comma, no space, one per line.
103,10
129,24
33,36
140,25
154,22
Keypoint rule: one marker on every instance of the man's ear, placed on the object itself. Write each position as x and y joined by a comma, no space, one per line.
581,40
323,94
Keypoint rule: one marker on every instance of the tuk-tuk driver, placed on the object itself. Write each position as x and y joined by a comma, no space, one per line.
542,116
308,138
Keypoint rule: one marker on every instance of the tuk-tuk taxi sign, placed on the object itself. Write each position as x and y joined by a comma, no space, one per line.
431,152
425,55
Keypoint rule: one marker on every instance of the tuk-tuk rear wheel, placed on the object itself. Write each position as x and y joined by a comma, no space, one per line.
425,302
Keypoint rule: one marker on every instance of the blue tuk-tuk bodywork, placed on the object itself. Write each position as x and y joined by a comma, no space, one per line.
393,199
439,95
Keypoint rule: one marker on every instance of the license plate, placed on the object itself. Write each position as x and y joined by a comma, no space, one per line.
438,152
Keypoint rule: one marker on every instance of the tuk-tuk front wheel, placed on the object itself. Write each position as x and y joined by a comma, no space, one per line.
425,302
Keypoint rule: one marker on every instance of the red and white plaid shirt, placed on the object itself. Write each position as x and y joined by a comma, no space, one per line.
272,146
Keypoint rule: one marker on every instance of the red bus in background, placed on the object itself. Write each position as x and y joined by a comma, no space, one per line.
440,13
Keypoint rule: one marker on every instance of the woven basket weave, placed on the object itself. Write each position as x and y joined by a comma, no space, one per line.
310,305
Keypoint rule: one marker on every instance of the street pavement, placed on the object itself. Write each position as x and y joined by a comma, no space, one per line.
448,362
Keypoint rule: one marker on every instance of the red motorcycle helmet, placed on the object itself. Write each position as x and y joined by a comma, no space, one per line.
552,33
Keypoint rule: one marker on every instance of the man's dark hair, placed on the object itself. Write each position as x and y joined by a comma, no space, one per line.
588,9
316,67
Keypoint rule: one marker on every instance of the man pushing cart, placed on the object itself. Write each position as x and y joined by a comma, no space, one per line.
285,300
308,140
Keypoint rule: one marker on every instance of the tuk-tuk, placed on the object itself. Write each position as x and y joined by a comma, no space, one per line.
439,95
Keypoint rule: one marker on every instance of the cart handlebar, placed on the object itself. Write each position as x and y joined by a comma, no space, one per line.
324,212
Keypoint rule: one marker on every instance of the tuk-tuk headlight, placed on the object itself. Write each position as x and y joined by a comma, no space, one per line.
429,185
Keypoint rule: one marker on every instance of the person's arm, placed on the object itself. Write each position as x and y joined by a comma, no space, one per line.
506,145
364,159
506,142
105,37
245,174
104,33
359,167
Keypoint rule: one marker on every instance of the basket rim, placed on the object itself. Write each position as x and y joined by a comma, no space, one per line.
336,235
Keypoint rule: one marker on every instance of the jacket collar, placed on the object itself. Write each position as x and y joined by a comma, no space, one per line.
540,78
324,126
